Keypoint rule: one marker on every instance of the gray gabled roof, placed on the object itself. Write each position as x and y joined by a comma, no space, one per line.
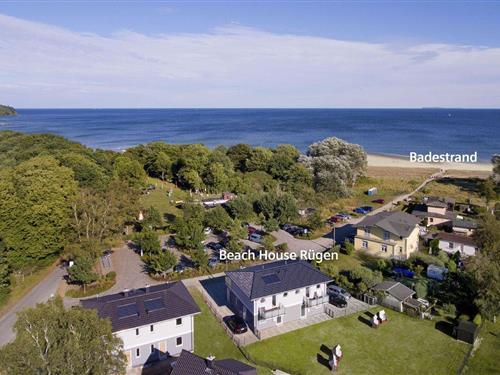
396,289
190,364
396,222
144,306
467,224
277,277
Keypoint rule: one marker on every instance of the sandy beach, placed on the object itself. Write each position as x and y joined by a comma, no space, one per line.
404,162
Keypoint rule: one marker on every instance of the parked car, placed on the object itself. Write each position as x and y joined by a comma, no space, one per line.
344,215
251,230
379,201
180,267
255,237
360,210
236,324
337,290
214,246
400,271
337,300
212,262
336,219
207,230
367,208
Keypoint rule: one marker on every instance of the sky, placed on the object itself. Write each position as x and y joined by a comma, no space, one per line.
191,54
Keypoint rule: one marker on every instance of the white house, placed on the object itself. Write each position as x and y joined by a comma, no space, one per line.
270,294
154,322
451,243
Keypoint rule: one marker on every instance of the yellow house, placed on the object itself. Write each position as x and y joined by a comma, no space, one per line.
388,235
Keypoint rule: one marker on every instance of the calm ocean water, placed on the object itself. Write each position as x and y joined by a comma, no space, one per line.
386,131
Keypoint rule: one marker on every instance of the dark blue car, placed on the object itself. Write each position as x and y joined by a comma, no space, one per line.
403,272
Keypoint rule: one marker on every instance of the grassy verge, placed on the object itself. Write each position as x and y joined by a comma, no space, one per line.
403,345
211,339
484,359
91,290
21,287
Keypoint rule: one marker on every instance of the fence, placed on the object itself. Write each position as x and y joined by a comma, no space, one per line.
238,340
334,312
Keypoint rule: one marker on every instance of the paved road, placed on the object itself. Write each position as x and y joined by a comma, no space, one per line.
40,293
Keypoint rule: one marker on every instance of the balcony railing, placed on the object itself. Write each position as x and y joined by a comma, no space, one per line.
315,301
272,312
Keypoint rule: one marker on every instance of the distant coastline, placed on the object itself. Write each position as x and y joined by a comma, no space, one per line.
6,110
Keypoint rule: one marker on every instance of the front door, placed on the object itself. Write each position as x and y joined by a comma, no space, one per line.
274,300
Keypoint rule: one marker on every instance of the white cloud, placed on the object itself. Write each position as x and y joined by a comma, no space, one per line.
236,66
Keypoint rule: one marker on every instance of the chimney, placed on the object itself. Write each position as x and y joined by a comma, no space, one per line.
146,288
209,361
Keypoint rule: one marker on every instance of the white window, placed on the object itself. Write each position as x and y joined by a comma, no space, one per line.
318,286
401,249
285,294
450,245
137,331
178,321
278,319
137,352
367,231
262,300
297,291
151,328
152,348
384,248
178,341
365,244
387,235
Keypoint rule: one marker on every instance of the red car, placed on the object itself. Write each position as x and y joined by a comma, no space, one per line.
381,201
251,230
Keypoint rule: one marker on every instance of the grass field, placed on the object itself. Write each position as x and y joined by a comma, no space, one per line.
160,200
404,345
461,189
484,359
211,339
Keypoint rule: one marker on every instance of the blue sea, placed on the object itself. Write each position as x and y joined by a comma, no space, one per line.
384,131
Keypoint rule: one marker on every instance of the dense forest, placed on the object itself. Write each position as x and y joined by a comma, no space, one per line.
5,110
60,197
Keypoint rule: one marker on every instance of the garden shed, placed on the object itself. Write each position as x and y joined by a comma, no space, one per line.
466,331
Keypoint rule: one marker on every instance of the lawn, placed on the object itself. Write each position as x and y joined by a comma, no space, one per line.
160,200
211,339
484,359
404,345
461,189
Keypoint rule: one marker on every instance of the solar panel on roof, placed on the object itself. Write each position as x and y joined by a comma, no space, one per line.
154,304
271,279
126,311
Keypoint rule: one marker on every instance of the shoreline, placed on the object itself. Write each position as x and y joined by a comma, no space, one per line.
399,161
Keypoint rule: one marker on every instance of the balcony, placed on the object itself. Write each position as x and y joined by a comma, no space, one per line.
271,313
315,301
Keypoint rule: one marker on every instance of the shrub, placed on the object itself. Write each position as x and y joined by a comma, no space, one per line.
421,289
282,247
111,275
477,319
450,309
348,247
464,317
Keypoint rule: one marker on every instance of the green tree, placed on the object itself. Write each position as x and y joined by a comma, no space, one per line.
485,267
51,340
240,208
190,178
148,242
218,219
130,171
189,234
259,159
199,258
421,289
162,165
35,211
152,219
81,272
315,221
239,154
271,225
161,263
216,178
348,247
